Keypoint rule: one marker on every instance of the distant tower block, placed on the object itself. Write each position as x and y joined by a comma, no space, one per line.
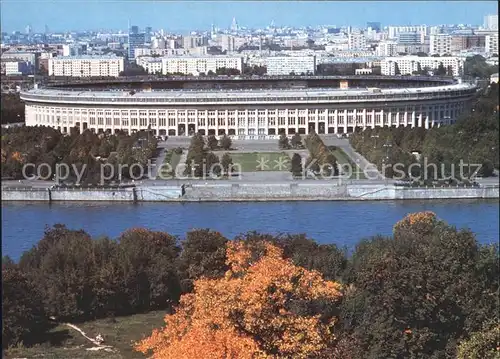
234,25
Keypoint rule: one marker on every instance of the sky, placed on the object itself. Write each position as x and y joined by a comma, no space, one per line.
74,15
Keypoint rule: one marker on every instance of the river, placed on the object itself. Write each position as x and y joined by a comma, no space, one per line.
339,222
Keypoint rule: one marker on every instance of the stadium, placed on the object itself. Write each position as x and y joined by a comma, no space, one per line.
248,107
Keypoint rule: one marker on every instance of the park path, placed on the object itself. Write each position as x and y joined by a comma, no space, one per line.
371,172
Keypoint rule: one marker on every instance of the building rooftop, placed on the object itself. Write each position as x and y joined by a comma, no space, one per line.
88,57
241,94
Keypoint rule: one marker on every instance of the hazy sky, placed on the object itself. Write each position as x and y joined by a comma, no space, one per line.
62,15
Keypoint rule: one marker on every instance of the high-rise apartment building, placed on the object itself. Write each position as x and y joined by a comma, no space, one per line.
409,37
356,41
135,40
227,43
440,44
491,22
387,48
374,26
420,29
285,65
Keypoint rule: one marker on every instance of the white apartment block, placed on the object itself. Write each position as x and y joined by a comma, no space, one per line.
395,30
146,51
196,65
284,65
86,66
491,22
387,48
356,41
153,65
16,67
408,64
491,44
440,44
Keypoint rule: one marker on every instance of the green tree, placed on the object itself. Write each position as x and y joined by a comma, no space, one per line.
416,294
441,70
62,267
203,255
23,317
212,142
296,167
226,162
296,141
225,143
283,142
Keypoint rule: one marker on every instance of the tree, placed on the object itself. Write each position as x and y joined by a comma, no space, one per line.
203,256
296,165
226,162
213,166
262,308
212,142
283,142
225,143
426,287
441,70
296,141
62,267
482,344
397,71
23,316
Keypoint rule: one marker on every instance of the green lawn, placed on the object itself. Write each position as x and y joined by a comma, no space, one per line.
64,342
261,161
343,158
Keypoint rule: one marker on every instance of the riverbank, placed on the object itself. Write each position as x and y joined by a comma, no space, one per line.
248,192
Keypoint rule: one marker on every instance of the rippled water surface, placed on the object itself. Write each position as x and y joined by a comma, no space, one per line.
342,223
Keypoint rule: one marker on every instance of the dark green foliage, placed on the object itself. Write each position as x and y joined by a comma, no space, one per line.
203,255
37,145
296,141
296,165
11,108
473,139
226,162
200,161
476,66
79,278
62,267
212,143
23,316
225,143
416,295
145,271
283,142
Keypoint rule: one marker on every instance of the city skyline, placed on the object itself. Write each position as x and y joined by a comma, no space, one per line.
200,15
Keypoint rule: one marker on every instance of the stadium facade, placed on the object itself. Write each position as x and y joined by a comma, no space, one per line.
248,107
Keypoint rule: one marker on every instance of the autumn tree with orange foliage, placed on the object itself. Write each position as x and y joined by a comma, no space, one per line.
252,312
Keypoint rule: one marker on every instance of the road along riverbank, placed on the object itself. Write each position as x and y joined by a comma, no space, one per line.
237,192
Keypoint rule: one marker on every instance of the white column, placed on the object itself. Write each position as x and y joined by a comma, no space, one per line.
364,118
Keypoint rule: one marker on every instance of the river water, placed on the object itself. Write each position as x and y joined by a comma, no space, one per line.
339,222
